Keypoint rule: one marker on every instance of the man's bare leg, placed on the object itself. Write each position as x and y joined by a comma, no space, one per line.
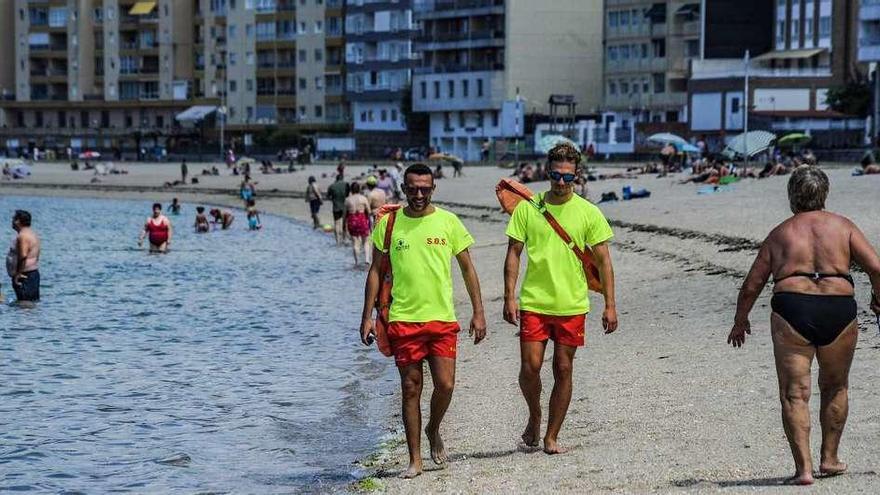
563,361
411,392
834,364
794,357
531,359
443,376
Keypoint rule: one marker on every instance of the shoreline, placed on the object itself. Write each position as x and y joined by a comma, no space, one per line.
648,400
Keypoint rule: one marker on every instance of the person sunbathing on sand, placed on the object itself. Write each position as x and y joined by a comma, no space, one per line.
814,315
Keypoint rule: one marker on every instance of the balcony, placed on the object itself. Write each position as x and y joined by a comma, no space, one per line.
452,68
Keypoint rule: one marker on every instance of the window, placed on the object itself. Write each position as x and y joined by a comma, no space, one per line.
494,118
249,58
691,48
249,84
84,118
659,47
644,50
384,115
479,87
319,27
462,121
302,112
233,30
734,105
233,86
624,87
232,58
659,82
424,89
464,88
370,115
363,116
447,121
825,27
62,118
319,54
249,30
624,52
612,88
128,120
436,89
319,82
58,17
624,18
612,53
160,121
613,19
780,31
646,86
105,118
636,16
38,118
451,89
319,111
250,113
303,56
394,115
302,83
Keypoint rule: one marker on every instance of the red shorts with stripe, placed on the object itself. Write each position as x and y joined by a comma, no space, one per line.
413,342
566,330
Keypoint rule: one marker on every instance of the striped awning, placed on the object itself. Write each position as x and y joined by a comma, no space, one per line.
142,8
749,144
195,113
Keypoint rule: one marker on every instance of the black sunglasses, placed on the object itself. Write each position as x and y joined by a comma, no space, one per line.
567,178
412,190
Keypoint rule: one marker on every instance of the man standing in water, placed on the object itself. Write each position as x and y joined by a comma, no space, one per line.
553,300
422,318
338,192
23,259
159,230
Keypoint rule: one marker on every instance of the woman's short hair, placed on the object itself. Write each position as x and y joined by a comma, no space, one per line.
807,189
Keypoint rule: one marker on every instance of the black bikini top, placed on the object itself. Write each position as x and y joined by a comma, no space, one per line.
816,276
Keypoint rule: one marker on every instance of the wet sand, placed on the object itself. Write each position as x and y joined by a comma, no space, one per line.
662,405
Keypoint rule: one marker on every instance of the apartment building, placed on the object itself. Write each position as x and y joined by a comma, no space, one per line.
117,73
869,31
813,48
379,60
648,48
486,63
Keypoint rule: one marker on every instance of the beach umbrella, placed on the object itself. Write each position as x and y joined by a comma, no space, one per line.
244,160
794,139
749,144
666,137
89,155
548,142
446,157
687,148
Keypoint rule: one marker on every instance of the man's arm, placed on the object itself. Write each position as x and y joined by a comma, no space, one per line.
472,282
606,275
511,273
23,249
748,294
371,290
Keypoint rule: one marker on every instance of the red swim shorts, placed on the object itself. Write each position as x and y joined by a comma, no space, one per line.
412,342
566,330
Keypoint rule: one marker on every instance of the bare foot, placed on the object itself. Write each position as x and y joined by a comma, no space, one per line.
832,468
800,480
438,450
411,472
532,434
553,448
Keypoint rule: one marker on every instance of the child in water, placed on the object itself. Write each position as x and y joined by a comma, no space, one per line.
223,218
175,207
253,216
201,224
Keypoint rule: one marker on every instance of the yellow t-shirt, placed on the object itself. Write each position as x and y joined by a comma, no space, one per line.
555,283
421,256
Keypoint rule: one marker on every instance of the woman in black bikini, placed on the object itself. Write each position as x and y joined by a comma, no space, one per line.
814,314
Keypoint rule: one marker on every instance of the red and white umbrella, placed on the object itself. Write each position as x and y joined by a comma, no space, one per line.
89,155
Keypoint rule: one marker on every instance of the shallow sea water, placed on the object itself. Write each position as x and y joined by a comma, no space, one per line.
230,365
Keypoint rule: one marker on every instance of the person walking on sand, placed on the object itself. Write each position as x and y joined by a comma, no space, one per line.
357,222
337,193
313,198
158,229
553,300
423,325
184,170
814,315
23,259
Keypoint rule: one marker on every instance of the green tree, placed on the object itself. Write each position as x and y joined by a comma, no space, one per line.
853,98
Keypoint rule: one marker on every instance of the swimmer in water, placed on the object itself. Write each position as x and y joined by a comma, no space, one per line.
174,208
253,216
201,224
222,218
158,229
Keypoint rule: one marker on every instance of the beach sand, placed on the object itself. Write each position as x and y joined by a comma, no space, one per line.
663,405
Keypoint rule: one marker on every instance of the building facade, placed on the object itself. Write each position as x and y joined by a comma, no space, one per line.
648,48
115,73
379,61
814,48
486,63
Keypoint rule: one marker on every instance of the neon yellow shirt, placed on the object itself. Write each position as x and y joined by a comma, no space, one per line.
554,283
421,256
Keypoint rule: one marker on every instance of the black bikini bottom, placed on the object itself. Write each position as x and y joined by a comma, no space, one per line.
818,318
